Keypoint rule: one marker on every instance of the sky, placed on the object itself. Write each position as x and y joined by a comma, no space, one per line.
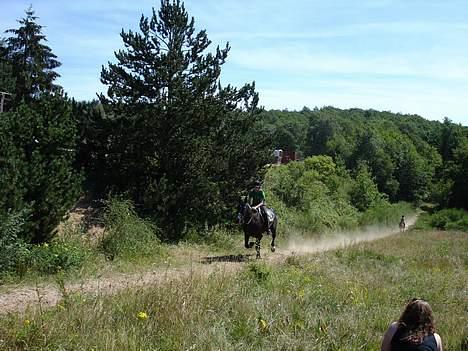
403,56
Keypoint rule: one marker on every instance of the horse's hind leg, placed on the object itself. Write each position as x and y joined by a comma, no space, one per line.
273,237
257,247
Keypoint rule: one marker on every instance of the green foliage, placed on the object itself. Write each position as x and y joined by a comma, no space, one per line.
288,129
457,169
127,236
7,80
14,253
382,212
54,257
18,258
312,195
34,62
319,196
450,219
38,151
406,155
177,141
364,194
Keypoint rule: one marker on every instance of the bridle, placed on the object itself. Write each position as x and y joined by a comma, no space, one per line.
241,214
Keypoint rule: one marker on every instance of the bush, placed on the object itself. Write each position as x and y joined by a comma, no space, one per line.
14,252
450,219
56,256
127,235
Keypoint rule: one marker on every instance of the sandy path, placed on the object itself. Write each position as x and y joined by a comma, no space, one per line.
17,300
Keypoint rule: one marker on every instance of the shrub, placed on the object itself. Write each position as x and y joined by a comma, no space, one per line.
14,252
450,219
50,258
127,235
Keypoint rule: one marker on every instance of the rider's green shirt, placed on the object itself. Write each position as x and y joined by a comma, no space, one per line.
255,197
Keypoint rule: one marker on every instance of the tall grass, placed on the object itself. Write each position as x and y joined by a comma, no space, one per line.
339,300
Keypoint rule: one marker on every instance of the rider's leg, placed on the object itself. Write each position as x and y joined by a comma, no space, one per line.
265,218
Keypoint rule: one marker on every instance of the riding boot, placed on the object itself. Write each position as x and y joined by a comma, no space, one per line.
267,221
268,230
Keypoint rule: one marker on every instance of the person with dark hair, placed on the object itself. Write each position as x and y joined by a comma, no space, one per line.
257,201
414,331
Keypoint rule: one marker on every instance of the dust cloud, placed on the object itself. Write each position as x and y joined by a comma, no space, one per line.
343,239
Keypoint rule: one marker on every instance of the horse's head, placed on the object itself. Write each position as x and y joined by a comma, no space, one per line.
245,213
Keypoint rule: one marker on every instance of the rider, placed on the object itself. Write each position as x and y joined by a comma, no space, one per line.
257,200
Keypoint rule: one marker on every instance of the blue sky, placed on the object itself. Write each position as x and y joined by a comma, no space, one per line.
408,56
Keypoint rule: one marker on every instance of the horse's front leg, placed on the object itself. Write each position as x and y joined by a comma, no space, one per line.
257,246
246,241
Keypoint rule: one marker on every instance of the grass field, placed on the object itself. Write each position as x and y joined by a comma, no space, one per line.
337,300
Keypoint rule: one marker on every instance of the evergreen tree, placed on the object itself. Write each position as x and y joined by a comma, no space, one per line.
182,144
7,81
34,62
37,148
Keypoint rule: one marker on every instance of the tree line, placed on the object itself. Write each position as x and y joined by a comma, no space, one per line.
411,159
181,146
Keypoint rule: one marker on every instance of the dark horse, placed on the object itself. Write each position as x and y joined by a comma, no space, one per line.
254,226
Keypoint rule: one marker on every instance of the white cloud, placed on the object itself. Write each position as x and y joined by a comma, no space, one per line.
291,60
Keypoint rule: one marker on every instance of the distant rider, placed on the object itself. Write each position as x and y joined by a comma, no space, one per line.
402,223
257,200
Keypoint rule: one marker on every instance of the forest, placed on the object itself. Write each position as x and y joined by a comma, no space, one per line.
178,149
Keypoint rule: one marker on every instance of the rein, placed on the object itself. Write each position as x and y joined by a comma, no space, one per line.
250,220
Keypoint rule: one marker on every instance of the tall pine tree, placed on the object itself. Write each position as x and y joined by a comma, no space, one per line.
37,137
34,62
182,144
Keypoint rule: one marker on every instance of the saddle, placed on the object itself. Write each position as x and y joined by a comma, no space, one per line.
271,215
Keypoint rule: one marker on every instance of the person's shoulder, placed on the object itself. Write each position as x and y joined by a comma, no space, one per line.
438,341
392,329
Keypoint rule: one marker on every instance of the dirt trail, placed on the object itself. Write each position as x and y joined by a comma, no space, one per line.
17,300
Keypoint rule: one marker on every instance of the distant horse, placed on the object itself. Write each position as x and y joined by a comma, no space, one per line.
402,224
254,226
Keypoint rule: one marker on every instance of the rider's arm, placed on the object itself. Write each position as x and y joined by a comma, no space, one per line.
259,205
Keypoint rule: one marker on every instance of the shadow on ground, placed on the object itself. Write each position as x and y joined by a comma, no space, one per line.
227,258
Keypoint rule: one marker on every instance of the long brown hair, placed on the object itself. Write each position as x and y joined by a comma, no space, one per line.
416,321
